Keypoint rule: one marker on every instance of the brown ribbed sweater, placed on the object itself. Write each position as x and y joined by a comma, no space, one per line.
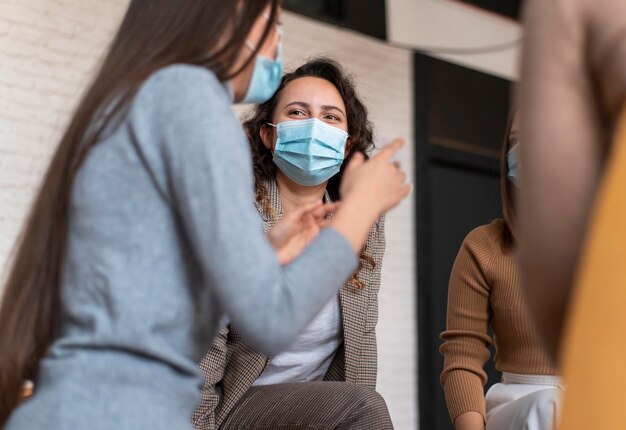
485,292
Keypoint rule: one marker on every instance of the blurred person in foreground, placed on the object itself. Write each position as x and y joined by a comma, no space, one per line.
572,93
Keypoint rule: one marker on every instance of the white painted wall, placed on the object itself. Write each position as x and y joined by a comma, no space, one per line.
48,49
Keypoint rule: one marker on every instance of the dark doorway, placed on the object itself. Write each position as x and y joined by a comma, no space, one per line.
460,119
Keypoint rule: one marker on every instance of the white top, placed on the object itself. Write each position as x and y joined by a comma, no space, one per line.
308,357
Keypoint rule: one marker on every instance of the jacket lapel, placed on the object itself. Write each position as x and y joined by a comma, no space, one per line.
353,314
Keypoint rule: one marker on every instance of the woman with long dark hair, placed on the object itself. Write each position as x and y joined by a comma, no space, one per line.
143,237
485,293
327,375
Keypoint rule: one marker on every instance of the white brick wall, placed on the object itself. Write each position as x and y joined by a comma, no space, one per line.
48,49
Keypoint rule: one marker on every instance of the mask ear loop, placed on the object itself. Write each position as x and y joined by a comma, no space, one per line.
250,45
279,30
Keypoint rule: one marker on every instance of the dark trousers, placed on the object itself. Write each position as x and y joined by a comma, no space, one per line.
308,406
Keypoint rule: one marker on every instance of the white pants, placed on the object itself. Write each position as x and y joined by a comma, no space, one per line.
524,402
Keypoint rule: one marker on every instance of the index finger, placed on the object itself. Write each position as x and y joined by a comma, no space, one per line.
390,150
303,209
323,211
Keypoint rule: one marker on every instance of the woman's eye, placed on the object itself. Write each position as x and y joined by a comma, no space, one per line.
332,117
296,112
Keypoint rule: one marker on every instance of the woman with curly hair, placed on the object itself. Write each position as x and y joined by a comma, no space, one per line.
300,139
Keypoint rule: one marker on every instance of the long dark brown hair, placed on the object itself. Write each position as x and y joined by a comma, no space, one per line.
506,187
152,35
360,130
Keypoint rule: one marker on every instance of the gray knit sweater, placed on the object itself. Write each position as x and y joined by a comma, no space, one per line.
164,242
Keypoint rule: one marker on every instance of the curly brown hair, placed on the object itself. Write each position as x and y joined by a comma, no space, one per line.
360,130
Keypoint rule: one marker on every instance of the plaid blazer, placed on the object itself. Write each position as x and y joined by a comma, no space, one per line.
230,367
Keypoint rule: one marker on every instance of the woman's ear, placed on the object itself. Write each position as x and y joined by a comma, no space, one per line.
266,135
348,150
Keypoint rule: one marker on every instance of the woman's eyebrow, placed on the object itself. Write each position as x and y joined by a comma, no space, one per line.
297,103
307,106
331,107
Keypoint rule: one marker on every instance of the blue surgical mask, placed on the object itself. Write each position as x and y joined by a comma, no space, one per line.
512,159
309,151
266,76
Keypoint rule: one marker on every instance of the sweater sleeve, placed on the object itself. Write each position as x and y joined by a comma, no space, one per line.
466,341
198,154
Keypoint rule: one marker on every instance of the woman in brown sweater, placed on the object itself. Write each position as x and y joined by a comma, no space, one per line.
484,293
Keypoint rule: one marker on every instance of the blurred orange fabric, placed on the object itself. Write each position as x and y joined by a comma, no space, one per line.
594,348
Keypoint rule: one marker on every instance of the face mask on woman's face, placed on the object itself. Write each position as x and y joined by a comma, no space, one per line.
309,151
512,159
266,75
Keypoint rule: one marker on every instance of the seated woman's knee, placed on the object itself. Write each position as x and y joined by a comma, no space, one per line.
546,404
368,398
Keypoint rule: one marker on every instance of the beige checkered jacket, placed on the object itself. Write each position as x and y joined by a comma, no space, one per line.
231,366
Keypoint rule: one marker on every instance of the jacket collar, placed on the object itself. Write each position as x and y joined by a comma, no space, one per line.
273,196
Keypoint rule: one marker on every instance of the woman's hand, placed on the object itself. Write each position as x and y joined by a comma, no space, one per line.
378,184
293,233
368,190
